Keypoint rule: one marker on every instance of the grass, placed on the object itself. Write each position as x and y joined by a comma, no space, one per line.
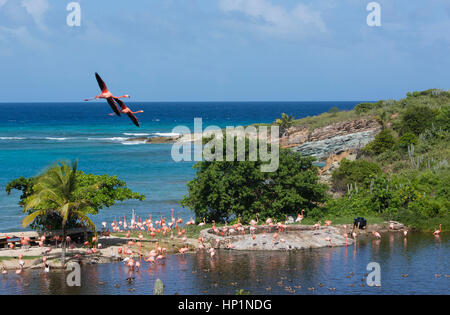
330,118
345,220
2,258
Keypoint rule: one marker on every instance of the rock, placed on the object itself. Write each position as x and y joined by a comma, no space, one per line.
295,237
324,148
154,140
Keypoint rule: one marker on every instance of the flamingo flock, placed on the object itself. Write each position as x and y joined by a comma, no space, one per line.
112,100
174,228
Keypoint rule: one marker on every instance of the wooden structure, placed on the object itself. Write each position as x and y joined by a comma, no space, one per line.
77,235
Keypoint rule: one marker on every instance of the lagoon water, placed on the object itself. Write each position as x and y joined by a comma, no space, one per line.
33,135
421,256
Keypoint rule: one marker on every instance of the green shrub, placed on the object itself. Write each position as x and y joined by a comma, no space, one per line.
416,119
354,172
364,107
383,141
222,190
443,118
407,139
333,110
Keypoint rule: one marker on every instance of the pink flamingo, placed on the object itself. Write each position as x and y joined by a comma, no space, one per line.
299,218
436,233
202,223
376,234
345,234
126,110
106,94
253,222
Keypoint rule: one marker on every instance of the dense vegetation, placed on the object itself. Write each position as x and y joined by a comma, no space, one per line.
90,192
225,190
402,175
412,152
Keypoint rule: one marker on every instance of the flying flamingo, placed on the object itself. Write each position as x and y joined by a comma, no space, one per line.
126,110
106,94
436,233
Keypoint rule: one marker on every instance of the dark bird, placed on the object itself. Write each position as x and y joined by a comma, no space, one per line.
106,94
126,110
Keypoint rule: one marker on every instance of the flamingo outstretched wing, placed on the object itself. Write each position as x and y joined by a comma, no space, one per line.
132,117
121,104
113,105
101,83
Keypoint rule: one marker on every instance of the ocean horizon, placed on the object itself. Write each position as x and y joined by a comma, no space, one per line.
34,135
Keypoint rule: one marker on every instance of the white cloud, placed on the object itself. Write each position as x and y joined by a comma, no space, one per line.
21,35
37,9
2,3
276,20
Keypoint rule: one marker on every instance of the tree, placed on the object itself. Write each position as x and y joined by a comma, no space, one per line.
225,189
285,122
62,197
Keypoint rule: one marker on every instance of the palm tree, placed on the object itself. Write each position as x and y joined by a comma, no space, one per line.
53,193
284,122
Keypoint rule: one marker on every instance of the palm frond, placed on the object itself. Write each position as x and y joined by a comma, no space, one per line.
32,216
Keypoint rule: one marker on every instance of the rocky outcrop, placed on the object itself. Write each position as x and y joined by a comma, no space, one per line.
298,135
295,237
335,144
333,162
154,140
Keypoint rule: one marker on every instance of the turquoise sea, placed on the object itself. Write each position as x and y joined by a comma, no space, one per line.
33,135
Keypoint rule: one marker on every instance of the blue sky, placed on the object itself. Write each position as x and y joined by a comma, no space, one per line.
223,50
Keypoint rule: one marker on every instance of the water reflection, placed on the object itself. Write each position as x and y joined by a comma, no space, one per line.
418,256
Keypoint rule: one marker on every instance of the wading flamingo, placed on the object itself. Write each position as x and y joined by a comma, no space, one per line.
376,234
345,234
106,94
436,233
126,110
